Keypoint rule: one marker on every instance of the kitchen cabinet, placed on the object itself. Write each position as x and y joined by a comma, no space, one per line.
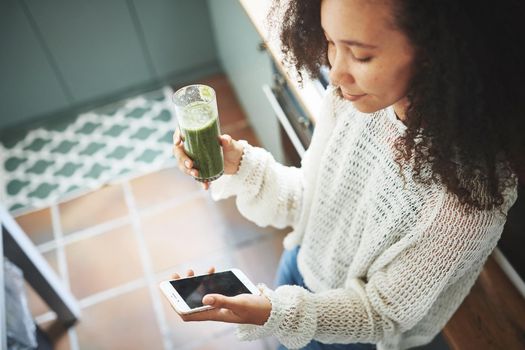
248,67
91,44
28,82
178,35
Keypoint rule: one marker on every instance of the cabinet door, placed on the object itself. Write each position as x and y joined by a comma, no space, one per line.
178,35
28,85
94,43
248,69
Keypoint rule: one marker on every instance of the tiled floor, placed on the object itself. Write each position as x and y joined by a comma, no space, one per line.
113,246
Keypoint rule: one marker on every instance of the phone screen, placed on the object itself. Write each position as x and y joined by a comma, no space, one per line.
192,290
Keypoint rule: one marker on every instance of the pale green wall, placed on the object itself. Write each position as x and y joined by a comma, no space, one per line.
60,54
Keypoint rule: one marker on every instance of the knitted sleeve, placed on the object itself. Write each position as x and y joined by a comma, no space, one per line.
403,284
268,193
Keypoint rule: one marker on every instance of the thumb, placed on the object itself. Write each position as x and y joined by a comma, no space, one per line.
226,141
218,301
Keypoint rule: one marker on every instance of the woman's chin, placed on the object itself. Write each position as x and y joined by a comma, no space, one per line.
364,107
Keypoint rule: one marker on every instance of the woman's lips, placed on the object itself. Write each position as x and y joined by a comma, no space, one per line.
351,97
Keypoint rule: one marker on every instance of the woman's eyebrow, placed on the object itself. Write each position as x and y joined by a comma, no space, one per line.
355,43
358,44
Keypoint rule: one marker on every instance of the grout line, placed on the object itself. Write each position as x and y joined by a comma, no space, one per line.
62,265
111,293
95,230
46,317
47,246
141,282
147,266
85,234
213,256
117,223
172,203
98,298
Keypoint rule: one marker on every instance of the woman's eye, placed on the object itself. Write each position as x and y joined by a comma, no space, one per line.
364,59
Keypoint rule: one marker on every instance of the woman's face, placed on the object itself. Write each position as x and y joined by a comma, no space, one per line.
370,59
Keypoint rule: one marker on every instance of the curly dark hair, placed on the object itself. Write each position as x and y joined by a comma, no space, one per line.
466,114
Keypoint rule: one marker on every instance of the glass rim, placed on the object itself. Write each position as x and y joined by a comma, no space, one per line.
207,99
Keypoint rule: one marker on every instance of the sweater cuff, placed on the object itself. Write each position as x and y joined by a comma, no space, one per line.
253,332
229,185
286,302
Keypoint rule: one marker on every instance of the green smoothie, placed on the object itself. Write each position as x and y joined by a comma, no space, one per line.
200,132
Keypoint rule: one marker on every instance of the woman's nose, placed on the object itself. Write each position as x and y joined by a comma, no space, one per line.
339,71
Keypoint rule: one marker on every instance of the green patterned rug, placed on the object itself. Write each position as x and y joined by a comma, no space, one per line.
121,140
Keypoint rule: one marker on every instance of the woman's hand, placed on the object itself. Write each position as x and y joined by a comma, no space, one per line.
241,309
231,150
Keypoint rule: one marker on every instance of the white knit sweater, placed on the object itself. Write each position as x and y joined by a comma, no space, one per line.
388,261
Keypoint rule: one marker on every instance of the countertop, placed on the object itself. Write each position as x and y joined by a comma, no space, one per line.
310,94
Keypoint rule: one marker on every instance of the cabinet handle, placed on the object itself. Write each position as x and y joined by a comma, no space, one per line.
304,122
262,46
283,120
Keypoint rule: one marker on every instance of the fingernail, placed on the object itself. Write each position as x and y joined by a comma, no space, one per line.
194,173
209,300
187,163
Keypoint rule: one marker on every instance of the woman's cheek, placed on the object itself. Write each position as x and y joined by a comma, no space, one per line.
331,55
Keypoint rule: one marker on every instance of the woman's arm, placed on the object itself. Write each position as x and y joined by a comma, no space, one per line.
268,193
444,258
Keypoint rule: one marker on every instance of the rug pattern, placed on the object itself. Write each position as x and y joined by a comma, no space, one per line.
122,140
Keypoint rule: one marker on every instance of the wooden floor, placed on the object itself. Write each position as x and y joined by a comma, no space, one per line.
113,246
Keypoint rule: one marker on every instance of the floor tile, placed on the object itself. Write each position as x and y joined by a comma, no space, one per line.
238,229
182,233
37,225
103,261
124,322
231,115
229,341
103,205
260,259
162,186
35,302
189,334
195,233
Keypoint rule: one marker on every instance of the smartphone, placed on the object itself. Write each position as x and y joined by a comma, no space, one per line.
185,294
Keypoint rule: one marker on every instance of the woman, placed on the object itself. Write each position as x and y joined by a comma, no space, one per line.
403,192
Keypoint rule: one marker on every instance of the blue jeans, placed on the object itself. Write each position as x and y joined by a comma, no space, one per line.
288,273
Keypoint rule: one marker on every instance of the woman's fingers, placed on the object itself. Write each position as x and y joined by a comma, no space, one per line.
190,273
184,162
242,308
176,137
226,141
222,315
